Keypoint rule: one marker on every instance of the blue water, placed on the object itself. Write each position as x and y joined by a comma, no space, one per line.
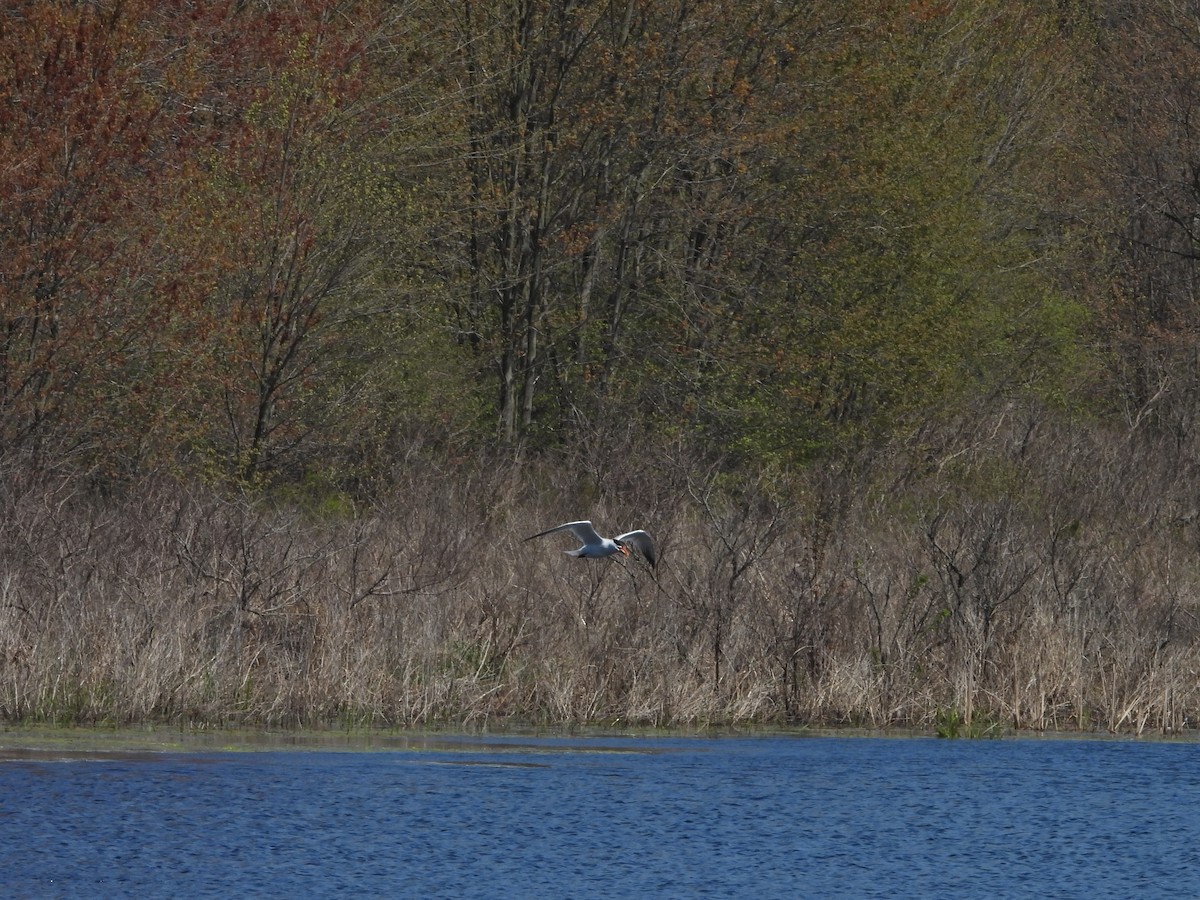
727,817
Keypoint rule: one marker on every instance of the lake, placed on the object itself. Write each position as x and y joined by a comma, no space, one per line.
778,816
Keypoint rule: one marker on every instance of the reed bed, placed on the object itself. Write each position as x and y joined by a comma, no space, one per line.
1037,579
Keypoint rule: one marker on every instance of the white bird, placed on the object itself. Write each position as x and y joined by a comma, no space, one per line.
596,547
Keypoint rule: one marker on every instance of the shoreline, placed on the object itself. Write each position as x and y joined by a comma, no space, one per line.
70,742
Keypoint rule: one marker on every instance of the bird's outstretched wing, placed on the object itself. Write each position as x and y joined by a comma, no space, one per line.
582,530
642,543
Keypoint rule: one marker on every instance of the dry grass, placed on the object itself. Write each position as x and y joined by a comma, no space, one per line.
1034,580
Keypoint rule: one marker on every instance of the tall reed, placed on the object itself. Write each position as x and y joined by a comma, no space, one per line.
1036,579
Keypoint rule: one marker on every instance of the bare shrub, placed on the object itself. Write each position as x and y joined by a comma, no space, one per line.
1026,575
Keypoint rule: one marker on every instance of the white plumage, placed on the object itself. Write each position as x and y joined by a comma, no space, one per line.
596,547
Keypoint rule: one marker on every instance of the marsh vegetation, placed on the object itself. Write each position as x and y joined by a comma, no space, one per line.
966,591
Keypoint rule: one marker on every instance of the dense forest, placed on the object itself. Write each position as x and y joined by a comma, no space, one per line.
883,317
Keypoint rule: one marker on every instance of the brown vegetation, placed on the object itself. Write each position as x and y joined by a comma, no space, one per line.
1033,578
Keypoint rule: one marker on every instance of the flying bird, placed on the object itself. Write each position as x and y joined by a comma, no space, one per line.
596,547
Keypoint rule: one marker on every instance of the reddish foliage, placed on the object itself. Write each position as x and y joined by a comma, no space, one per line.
138,142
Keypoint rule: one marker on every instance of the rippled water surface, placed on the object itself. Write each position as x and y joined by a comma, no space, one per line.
620,817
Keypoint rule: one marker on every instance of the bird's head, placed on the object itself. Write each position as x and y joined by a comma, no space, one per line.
624,550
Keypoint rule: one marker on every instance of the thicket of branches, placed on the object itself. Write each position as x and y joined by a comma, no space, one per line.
880,316
1042,578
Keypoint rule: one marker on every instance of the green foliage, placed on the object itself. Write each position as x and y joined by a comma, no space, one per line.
951,723
317,496
917,278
